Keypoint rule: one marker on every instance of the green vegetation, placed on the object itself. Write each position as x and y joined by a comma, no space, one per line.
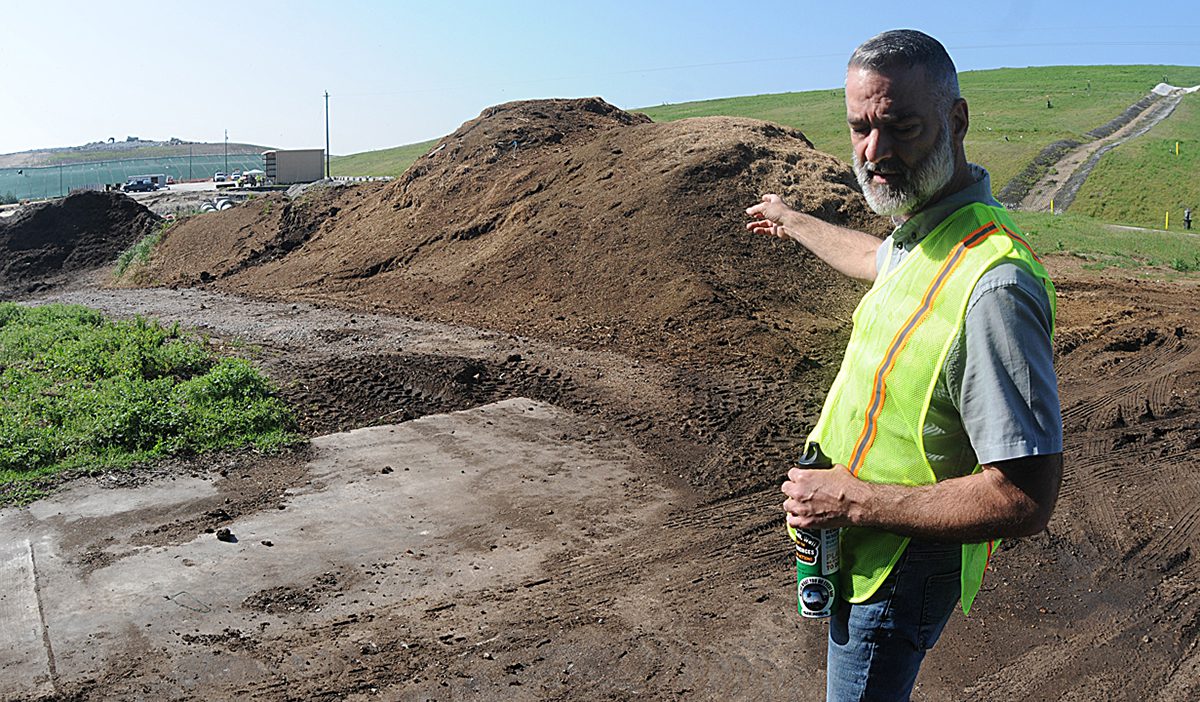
1141,180
386,162
820,114
1104,245
1012,103
79,392
1010,122
139,253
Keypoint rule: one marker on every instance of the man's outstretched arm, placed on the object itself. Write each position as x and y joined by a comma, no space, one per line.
850,252
1004,500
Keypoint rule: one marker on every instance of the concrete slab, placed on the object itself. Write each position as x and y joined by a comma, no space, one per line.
24,653
445,505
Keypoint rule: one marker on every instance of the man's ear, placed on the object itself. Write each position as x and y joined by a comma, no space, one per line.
960,119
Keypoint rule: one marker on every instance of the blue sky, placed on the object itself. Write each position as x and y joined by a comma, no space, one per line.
400,72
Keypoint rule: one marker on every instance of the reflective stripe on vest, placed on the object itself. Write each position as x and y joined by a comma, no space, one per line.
874,415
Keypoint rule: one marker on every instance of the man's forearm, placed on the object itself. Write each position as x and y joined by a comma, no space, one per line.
994,503
849,252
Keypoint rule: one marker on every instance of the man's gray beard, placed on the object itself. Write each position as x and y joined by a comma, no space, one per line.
919,185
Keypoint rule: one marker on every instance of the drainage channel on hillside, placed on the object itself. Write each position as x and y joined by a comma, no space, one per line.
1066,194
1028,190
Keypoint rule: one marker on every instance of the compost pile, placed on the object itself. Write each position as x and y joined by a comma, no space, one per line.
81,232
569,220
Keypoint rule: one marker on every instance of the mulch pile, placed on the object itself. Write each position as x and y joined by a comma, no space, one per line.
564,219
80,232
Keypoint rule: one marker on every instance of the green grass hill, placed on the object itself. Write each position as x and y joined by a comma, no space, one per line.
1010,124
385,162
1140,181
122,150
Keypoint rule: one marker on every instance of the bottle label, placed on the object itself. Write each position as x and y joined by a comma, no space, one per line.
808,546
816,596
830,551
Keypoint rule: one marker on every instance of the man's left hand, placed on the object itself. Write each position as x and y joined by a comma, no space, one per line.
820,499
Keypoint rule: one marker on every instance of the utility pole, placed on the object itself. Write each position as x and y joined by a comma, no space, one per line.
60,184
327,173
189,161
226,153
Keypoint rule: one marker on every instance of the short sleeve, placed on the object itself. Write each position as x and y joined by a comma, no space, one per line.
1004,377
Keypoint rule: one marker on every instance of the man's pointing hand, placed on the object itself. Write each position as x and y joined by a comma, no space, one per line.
768,216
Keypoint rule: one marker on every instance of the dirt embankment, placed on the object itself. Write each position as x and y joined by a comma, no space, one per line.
80,232
569,219
574,222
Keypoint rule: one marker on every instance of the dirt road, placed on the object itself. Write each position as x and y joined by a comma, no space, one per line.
552,548
1061,183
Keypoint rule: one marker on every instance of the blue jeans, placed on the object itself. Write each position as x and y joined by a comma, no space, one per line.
876,648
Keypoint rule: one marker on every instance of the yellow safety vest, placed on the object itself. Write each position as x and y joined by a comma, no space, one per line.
875,412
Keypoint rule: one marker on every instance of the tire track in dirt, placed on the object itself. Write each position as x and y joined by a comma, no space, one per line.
752,527
1121,649
1174,539
1132,386
1128,385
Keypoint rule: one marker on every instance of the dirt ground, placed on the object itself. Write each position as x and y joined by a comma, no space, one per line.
612,530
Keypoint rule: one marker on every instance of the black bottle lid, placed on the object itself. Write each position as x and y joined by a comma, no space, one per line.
814,457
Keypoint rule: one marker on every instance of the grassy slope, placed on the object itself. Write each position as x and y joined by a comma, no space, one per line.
1102,245
1139,181
386,162
1012,103
1005,102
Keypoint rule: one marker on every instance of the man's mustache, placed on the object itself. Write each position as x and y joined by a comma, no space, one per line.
888,166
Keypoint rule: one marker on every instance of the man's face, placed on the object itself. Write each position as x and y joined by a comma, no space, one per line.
903,144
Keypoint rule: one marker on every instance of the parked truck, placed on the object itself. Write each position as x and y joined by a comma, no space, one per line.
145,183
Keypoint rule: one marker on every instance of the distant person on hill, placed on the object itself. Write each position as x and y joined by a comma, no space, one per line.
1187,218
944,419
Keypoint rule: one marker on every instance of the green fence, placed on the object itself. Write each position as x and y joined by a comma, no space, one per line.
53,181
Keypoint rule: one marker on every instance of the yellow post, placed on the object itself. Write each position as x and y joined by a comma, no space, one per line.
1051,205
1167,220
1176,148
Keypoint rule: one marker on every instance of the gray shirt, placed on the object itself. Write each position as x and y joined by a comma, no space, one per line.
997,396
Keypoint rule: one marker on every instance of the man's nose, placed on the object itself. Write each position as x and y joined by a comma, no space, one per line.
879,146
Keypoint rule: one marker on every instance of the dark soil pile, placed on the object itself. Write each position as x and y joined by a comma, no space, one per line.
562,219
82,231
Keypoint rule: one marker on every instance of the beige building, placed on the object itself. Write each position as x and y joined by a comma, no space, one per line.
294,166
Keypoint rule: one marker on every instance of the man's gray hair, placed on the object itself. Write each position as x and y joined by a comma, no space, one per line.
906,48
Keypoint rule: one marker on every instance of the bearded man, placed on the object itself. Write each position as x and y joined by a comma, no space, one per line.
944,420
